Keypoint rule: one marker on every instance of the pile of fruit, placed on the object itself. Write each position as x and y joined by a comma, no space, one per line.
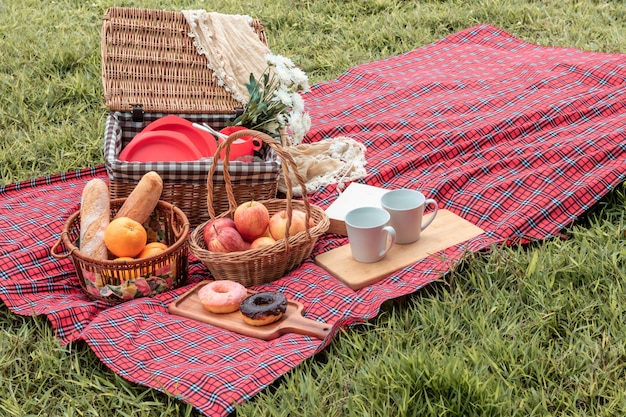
133,238
124,237
127,240
251,227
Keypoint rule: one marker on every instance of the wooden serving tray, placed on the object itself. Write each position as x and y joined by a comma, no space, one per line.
188,305
445,231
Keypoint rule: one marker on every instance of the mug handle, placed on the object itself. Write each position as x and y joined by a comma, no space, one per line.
256,144
391,238
434,213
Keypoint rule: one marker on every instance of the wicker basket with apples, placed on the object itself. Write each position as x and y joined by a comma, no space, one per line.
256,242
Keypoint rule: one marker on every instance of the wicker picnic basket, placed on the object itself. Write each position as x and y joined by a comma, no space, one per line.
117,281
262,265
151,68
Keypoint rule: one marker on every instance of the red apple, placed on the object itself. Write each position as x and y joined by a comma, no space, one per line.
213,225
278,223
226,239
261,242
251,220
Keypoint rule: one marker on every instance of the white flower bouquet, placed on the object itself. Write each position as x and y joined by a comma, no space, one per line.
275,102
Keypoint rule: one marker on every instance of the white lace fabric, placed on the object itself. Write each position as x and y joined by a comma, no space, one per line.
232,48
234,51
332,161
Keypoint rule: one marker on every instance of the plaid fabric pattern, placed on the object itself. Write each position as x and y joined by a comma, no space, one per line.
516,138
120,129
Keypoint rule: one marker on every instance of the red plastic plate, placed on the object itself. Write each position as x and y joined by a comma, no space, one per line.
204,141
160,146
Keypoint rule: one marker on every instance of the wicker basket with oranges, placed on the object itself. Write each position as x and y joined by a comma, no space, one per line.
147,262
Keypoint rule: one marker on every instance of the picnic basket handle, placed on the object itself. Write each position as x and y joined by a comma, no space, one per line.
183,229
287,163
53,249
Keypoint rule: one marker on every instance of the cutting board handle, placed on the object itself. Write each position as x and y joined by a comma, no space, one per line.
299,324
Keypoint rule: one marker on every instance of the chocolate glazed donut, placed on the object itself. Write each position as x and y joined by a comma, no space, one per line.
263,308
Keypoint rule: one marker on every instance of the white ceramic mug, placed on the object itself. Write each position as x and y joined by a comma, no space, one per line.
369,234
406,208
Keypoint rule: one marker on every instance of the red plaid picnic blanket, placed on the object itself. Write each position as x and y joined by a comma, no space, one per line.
517,138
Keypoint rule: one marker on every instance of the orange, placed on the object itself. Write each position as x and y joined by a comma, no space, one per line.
126,275
151,249
125,237
159,245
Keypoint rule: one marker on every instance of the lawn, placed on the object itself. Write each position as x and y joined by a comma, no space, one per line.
515,331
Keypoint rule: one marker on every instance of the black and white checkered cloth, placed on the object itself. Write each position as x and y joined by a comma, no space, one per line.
120,129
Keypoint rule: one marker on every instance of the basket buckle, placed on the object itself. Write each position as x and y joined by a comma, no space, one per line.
137,113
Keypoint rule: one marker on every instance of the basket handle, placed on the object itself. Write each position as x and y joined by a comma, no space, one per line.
184,227
53,249
288,165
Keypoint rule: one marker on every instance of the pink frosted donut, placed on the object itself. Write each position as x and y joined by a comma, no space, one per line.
222,296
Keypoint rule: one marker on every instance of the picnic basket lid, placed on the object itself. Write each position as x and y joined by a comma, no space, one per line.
150,62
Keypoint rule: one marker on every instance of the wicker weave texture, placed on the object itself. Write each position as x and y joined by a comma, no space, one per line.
184,183
190,198
263,265
174,231
148,59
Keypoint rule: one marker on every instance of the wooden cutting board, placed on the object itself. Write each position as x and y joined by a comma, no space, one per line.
445,231
188,305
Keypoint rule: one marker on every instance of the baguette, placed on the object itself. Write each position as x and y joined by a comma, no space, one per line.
95,212
141,202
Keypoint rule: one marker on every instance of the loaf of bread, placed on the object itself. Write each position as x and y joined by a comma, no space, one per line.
95,212
141,202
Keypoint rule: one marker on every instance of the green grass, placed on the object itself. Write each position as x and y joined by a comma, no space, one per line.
535,330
